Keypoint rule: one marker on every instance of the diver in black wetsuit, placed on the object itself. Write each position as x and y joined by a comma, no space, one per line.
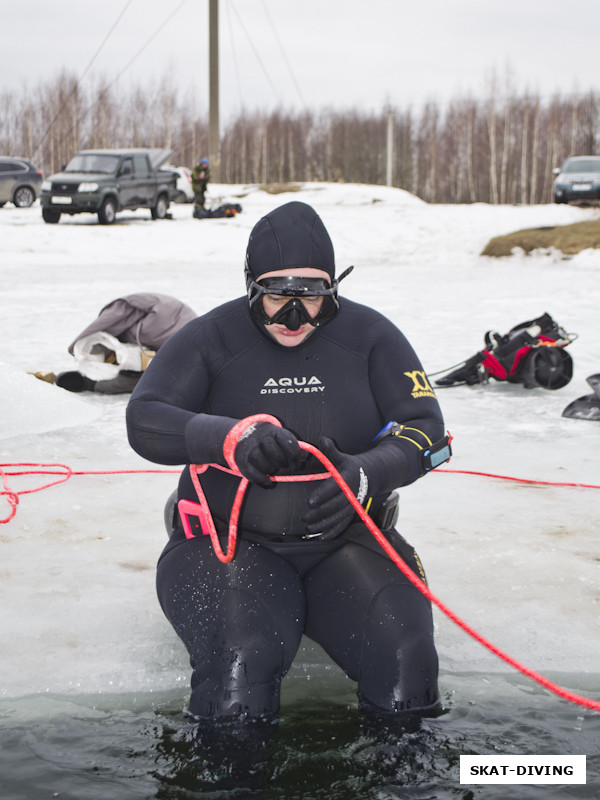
340,376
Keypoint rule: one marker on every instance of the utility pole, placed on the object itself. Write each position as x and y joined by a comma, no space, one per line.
214,139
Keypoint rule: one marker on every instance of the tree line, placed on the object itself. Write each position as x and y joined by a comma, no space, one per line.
500,149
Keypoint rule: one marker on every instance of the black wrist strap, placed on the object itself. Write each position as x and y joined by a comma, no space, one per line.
431,454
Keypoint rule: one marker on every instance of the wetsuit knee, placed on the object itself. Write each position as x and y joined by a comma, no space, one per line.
241,626
240,672
238,681
399,662
376,625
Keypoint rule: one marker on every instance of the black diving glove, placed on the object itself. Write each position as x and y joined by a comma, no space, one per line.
262,449
265,449
375,472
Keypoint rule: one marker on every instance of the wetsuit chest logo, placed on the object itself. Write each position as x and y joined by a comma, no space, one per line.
297,385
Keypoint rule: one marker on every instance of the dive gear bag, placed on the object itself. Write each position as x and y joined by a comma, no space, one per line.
227,210
531,353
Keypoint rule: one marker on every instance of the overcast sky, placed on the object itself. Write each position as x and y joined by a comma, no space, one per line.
308,53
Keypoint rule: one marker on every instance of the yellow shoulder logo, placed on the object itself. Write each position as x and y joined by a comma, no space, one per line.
421,386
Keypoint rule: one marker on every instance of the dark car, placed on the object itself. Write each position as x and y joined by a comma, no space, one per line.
20,181
104,182
578,181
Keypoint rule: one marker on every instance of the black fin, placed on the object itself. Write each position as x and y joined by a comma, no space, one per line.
594,382
587,407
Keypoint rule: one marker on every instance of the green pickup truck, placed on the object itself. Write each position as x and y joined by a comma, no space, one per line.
104,182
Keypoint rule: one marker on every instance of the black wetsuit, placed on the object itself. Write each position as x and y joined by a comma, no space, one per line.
242,623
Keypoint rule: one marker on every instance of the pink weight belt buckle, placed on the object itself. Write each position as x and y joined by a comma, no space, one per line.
187,509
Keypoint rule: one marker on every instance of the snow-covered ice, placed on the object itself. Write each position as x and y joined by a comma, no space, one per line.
519,562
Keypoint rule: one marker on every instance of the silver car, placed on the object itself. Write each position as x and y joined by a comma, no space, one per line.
578,180
20,181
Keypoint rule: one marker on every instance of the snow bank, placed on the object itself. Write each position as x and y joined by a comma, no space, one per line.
517,561
33,406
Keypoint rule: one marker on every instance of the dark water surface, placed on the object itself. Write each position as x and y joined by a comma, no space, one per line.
124,747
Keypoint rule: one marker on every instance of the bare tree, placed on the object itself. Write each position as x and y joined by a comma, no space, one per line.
500,149
491,123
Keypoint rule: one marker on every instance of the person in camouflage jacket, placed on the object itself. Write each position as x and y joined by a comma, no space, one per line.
200,179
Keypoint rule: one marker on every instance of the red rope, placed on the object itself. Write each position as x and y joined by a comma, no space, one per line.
519,480
396,559
62,470
65,473
424,589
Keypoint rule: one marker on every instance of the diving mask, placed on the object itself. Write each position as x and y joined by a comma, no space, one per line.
302,293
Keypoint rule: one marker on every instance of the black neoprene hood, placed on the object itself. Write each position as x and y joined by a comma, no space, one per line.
292,235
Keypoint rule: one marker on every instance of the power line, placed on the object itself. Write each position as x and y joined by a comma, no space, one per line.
126,67
283,53
234,56
146,43
256,53
77,85
106,38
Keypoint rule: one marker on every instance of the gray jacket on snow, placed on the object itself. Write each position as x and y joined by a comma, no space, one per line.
145,319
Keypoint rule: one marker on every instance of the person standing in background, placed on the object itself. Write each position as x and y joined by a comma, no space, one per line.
200,179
